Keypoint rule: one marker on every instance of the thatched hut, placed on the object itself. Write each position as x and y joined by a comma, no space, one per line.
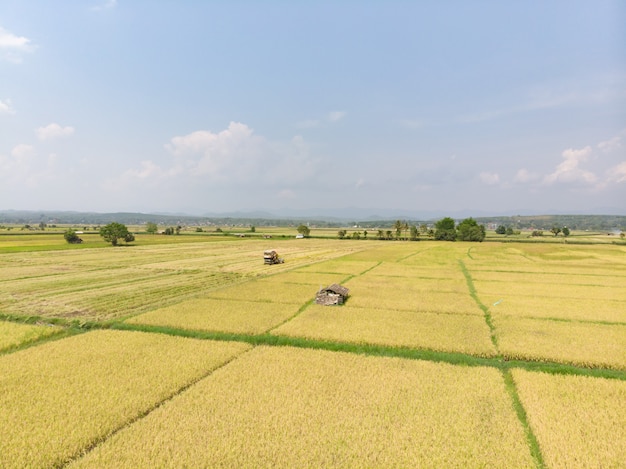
332,295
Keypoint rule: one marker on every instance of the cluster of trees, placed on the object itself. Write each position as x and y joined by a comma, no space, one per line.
467,230
445,229
555,230
304,230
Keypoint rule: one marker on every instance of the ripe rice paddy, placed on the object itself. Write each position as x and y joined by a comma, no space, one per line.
310,408
461,327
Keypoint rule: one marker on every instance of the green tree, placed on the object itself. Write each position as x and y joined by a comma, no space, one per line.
380,234
71,237
470,230
414,233
566,231
365,234
356,235
501,229
114,231
304,230
398,225
445,230
341,234
556,230
253,229
151,228
42,226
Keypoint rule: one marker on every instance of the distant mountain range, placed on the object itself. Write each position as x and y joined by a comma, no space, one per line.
328,218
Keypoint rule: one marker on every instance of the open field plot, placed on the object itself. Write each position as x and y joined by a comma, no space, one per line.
221,315
109,283
285,407
61,397
267,290
579,421
441,332
603,279
418,271
13,334
576,343
314,279
383,292
556,306
340,266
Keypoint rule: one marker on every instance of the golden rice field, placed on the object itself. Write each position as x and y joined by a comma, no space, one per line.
310,408
573,423
63,397
219,315
486,351
14,334
441,332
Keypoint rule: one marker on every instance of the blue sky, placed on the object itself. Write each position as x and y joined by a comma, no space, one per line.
395,106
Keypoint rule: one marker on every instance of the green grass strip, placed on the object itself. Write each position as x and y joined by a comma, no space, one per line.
531,439
485,310
288,341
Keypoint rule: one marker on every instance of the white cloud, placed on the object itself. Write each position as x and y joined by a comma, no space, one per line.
334,116
617,174
105,6
523,176
286,194
569,170
490,178
612,144
12,47
22,151
5,107
23,168
54,131
233,156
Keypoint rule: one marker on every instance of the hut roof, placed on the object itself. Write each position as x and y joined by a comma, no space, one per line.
338,289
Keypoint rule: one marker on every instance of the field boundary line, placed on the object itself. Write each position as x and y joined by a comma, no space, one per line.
98,441
509,383
522,416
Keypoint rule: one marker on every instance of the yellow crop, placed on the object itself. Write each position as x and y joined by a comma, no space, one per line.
443,332
223,315
579,421
267,290
12,334
284,407
578,343
590,309
62,396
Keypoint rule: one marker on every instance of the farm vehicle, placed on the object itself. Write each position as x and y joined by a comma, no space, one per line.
271,257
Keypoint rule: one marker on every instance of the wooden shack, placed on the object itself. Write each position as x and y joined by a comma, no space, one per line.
332,295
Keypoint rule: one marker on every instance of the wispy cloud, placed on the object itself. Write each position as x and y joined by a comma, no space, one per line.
234,155
12,47
335,116
489,178
5,107
54,131
105,6
569,170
